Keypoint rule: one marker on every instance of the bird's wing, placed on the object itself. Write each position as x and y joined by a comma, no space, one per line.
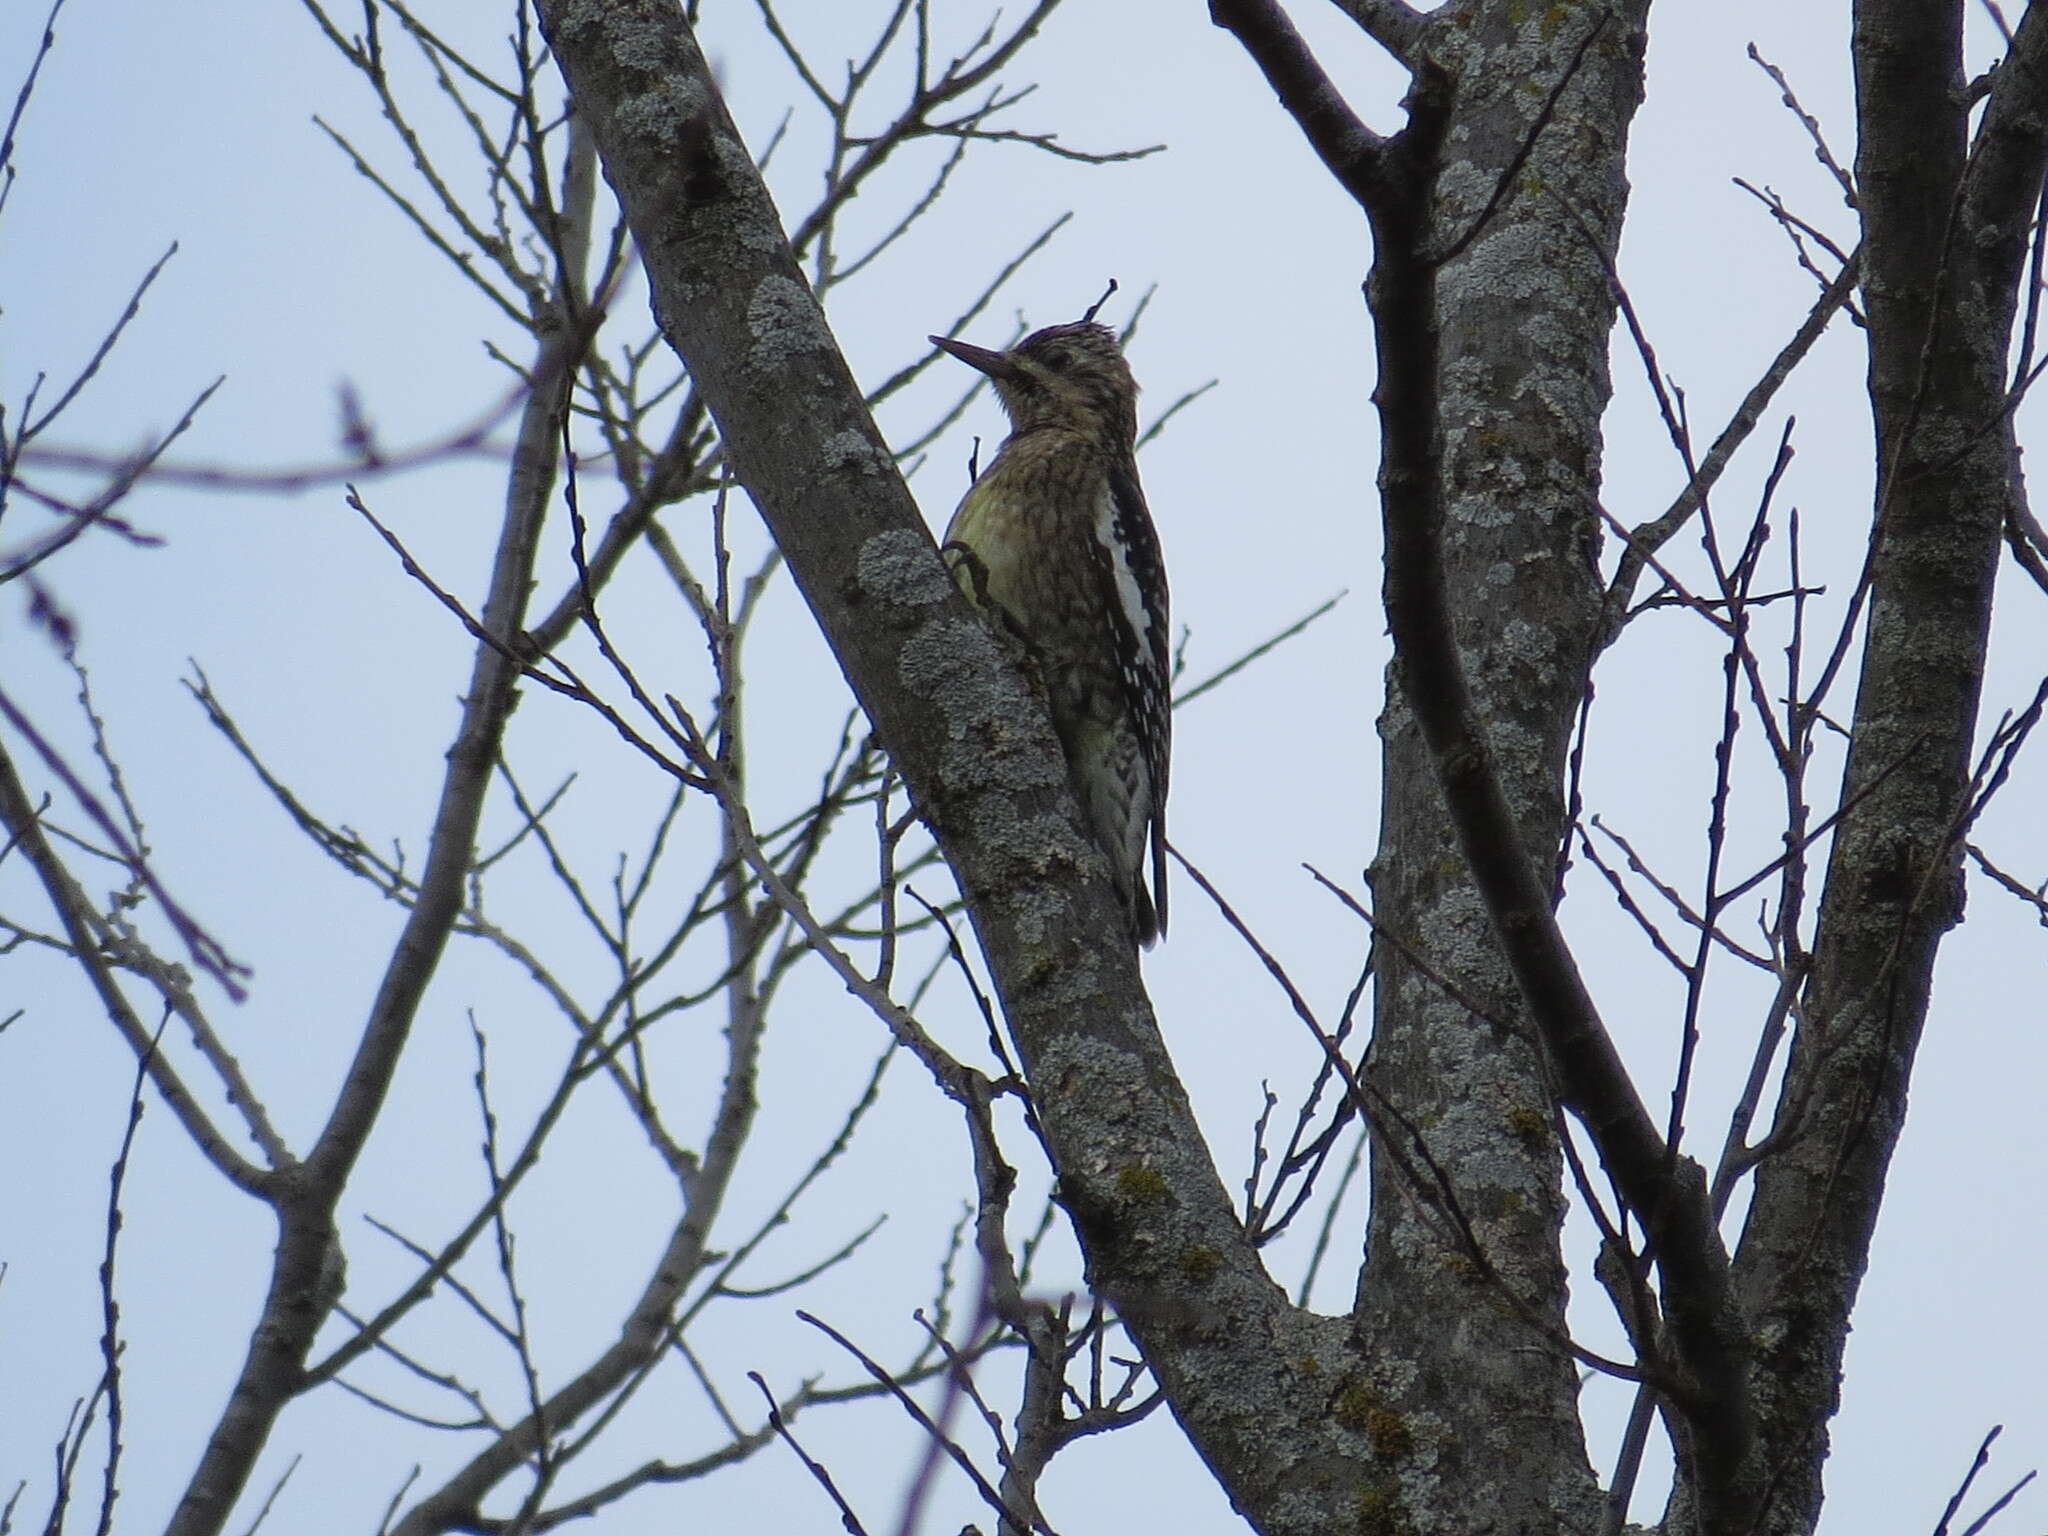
1135,567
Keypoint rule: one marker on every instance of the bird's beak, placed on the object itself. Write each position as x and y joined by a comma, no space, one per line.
999,366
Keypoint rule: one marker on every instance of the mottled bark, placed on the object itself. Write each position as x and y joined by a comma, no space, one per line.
1524,316
1945,230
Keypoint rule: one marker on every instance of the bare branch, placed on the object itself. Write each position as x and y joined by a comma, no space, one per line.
1394,24
81,928
1810,123
1352,152
1646,540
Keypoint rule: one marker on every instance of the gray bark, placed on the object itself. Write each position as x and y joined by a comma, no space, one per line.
1945,226
1523,317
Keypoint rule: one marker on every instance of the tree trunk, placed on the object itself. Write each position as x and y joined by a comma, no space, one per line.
1945,230
1524,316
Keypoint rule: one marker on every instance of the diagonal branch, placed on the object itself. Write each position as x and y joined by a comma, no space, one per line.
1647,538
76,912
976,751
1352,151
301,1289
1394,24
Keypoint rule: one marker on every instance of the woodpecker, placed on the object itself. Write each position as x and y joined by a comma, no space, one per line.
1053,544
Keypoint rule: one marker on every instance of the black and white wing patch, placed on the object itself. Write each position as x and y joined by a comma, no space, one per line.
1137,601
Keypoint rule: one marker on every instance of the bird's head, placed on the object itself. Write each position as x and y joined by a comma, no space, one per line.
1065,375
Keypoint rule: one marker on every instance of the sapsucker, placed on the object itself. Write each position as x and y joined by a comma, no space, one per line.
1054,545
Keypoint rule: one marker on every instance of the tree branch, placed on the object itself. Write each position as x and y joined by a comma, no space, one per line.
974,748
1945,229
1395,25
83,933
1341,140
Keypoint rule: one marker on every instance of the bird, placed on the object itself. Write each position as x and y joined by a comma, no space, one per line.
1053,544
